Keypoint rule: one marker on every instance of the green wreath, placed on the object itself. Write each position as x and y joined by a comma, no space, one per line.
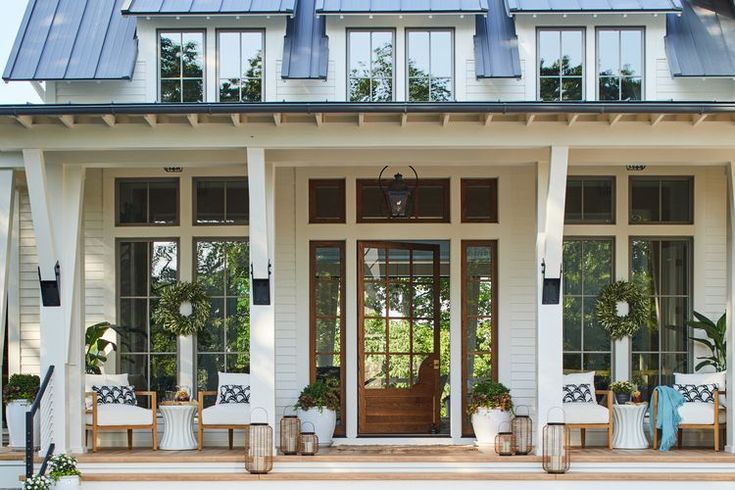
183,308
639,306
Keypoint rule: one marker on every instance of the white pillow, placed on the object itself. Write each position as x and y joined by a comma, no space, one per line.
581,379
242,379
720,379
102,380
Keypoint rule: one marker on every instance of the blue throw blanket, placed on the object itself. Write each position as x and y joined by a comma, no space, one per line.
667,416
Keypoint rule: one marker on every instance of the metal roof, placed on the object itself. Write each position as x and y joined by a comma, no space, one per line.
183,7
400,6
701,41
306,45
531,6
73,40
496,44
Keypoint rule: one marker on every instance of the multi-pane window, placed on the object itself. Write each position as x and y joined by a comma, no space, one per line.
588,267
221,201
147,202
561,64
620,63
222,266
430,65
240,66
181,65
590,200
371,64
147,351
661,200
661,348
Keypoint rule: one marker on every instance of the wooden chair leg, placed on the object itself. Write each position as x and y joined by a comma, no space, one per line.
230,438
583,437
201,435
130,439
717,439
94,438
610,436
154,433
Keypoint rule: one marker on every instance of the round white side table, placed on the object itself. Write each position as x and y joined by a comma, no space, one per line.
628,426
178,434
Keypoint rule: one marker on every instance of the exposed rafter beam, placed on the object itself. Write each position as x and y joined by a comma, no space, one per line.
67,121
614,119
25,121
657,118
151,119
193,120
530,118
445,119
277,118
488,119
319,119
404,119
236,121
698,119
109,119
572,118
360,119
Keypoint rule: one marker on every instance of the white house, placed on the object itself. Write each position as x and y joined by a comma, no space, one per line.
551,147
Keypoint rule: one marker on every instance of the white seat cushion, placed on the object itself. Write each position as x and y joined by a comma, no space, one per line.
585,413
699,413
116,414
227,414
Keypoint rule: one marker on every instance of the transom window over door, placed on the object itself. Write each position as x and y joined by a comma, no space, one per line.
240,65
371,65
561,64
181,65
430,65
620,63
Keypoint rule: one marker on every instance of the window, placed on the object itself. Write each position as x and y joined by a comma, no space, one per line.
221,201
560,64
327,201
223,267
661,200
147,202
371,64
620,64
327,318
430,202
479,318
430,65
181,65
147,351
590,200
588,267
664,267
479,200
240,66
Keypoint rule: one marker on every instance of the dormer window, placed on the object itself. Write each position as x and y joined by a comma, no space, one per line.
371,64
561,64
181,66
430,65
620,63
240,65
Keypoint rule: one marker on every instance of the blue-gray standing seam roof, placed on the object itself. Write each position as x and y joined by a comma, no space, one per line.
73,40
183,7
306,45
496,44
701,41
400,6
530,6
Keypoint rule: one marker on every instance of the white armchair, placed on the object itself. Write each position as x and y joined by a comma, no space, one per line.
592,414
225,416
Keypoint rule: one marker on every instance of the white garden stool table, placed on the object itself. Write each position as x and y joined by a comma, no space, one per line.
178,434
628,426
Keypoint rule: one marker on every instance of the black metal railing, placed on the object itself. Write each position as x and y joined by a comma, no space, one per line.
30,414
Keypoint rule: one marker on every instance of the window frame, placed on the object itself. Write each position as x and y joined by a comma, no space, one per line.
660,179
494,184
263,77
342,185
225,180
583,77
371,30
446,189
148,181
160,79
600,29
584,178
407,57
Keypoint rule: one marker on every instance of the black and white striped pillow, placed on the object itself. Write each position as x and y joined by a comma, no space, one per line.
577,393
115,395
234,394
697,393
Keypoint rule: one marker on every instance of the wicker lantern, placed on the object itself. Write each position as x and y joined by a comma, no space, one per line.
290,429
260,450
504,442
308,441
522,428
556,445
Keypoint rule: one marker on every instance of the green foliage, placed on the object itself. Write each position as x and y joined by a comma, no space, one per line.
22,387
374,84
716,341
63,465
639,304
489,394
623,387
168,315
249,88
321,395
97,347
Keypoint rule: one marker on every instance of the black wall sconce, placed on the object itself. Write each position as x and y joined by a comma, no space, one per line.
50,290
261,288
551,290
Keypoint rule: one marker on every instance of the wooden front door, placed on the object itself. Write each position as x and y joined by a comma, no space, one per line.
398,338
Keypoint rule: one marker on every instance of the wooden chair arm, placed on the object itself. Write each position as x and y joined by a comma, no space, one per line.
203,394
609,398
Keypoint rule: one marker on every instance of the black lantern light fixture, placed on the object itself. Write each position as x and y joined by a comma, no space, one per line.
398,194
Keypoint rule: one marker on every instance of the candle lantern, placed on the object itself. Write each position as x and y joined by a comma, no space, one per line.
556,445
504,442
308,441
290,429
522,428
260,450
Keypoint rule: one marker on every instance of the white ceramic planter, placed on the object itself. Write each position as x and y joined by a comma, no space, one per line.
15,414
324,422
487,423
67,483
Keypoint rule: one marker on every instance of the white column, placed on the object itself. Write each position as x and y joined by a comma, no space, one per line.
56,196
552,178
7,194
730,441
262,317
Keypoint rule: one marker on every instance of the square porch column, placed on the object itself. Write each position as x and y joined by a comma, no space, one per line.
7,194
730,337
552,183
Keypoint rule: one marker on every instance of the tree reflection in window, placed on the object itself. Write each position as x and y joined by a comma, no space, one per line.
181,63
240,62
561,64
620,64
430,66
371,66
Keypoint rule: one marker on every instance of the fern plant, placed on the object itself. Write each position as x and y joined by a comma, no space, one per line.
716,341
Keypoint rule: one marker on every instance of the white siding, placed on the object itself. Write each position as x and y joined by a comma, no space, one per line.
30,299
97,281
123,91
306,90
499,89
670,88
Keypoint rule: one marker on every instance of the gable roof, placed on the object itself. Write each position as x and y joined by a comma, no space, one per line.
701,41
399,6
496,44
532,6
73,40
203,7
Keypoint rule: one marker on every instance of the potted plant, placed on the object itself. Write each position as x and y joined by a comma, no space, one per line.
318,404
38,482
623,391
64,472
19,394
490,407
